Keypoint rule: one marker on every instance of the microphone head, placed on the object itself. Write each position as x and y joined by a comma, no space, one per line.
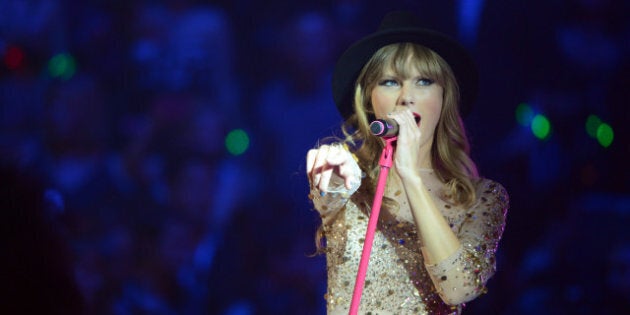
377,127
384,128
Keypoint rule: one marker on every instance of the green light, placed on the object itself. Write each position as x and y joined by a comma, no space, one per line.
541,127
62,66
524,114
605,135
592,125
237,142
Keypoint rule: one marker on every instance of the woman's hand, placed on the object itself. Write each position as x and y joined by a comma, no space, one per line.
322,162
408,143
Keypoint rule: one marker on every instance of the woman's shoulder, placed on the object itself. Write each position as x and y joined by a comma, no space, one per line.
489,190
483,183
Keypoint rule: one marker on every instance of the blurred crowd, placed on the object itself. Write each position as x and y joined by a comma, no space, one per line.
114,117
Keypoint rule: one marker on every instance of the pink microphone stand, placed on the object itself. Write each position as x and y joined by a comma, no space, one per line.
386,163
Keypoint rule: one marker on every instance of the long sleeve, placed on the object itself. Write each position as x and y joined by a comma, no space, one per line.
462,276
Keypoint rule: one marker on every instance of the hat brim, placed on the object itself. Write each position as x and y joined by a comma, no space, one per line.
351,62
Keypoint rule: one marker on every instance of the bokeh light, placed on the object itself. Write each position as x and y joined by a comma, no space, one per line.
62,66
599,130
541,127
237,141
14,57
120,108
592,124
524,114
605,135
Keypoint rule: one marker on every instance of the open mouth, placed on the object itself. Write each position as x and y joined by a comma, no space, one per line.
416,116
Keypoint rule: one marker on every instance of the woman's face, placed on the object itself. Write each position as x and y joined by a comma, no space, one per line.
417,92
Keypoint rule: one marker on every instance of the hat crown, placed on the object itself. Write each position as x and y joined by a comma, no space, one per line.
399,27
399,19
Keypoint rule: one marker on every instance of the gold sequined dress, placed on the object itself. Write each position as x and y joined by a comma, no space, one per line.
398,281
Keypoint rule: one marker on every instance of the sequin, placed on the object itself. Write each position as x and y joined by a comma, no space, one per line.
397,280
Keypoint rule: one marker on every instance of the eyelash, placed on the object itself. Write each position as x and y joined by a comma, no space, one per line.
387,82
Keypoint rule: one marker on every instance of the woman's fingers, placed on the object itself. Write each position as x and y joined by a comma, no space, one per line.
345,172
310,160
317,165
337,157
405,118
408,142
322,162
343,159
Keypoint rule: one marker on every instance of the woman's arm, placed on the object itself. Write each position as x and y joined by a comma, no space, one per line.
461,268
413,152
438,240
459,263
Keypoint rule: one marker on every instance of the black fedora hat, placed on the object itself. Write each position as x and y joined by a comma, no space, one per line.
398,27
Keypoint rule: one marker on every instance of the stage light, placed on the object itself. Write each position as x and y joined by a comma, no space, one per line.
541,127
62,66
524,114
237,141
13,57
605,135
592,124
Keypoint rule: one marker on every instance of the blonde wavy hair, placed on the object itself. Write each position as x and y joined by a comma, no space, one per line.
450,153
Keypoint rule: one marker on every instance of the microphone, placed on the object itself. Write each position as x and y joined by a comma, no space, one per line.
384,128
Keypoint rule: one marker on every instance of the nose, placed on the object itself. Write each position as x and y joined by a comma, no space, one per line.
405,97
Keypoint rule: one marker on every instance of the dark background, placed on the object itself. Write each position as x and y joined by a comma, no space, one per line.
120,196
